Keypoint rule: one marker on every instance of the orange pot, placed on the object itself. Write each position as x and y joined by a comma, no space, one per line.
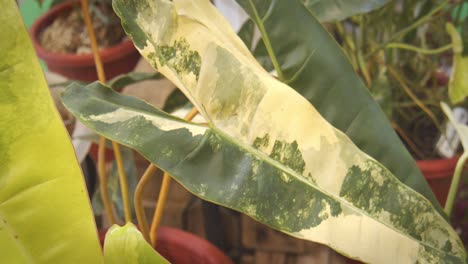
116,60
438,173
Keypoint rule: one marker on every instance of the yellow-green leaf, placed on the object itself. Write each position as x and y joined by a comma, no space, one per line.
45,215
458,84
127,245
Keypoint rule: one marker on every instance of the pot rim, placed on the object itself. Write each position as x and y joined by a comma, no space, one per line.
438,168
109,54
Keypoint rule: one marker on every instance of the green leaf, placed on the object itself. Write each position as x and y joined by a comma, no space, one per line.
312,63
127,245
266,151
119,82
45,215
175,100
279,182
335,10
458,84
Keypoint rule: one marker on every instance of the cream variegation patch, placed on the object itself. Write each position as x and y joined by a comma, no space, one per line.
365,238
124,115
238,98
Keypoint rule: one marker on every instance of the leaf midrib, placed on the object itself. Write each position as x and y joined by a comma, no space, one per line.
274,163
280,166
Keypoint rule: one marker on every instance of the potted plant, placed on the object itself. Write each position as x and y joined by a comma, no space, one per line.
227,159
265,150
60,39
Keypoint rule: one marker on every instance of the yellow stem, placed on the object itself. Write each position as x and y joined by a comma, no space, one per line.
103,179
166,182
92,39
118,155
163,193
191,114
138,201
123,182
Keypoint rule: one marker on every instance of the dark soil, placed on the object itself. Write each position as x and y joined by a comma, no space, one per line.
68,34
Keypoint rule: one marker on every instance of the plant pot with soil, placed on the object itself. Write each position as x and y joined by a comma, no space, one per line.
60,39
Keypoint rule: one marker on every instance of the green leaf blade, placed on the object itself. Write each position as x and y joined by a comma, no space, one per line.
336,10
45,215
313,64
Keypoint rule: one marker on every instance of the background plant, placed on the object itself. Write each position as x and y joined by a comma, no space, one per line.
403,53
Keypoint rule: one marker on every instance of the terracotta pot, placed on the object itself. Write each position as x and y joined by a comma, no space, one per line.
180,247
117,59
438,174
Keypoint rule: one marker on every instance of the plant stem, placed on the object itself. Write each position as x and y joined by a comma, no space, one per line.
408,29
92,39
266,41
454,184
118,155
103,179
138,201
162,198
414,97
163,193
123,182
418,49
408,140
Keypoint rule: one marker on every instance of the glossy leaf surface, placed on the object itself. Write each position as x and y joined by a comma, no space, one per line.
123,80
45,215
335,10
192,45
274,186
125,244
311,62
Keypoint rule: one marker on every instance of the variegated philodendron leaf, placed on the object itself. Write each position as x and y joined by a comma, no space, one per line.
266,151
310,61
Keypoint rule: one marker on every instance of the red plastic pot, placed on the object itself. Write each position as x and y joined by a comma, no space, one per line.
180,247
438,174
116,60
